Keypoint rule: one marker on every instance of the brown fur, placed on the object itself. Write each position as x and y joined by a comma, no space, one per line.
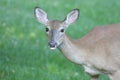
98,51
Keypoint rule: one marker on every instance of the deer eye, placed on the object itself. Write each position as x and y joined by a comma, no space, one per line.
47,29
62,30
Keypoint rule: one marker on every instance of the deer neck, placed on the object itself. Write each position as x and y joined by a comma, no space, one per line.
72,51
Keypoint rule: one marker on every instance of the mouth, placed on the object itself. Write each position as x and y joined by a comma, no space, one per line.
52,47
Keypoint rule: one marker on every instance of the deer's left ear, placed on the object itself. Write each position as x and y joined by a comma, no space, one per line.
41,15
72,17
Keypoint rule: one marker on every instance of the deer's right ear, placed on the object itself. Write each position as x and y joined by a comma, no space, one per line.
41,15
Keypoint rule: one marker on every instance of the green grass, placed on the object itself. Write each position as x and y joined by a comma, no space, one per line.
24,54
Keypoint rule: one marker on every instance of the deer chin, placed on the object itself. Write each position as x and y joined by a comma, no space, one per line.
53,48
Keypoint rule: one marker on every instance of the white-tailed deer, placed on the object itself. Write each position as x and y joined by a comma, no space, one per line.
98,52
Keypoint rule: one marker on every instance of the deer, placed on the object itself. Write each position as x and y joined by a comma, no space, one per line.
98,51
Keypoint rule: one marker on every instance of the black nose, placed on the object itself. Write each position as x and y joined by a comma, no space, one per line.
52,44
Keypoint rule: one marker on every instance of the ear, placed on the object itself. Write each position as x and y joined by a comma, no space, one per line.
41,15
72,17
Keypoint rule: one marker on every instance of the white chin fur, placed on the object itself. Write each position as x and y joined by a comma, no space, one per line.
52,48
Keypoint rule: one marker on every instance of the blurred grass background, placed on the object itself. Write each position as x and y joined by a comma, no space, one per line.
24,54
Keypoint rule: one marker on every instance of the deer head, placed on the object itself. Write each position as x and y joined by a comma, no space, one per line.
55,29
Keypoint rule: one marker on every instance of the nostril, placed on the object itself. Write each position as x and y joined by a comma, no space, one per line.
52,44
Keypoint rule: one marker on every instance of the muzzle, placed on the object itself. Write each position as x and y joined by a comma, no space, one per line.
52,45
